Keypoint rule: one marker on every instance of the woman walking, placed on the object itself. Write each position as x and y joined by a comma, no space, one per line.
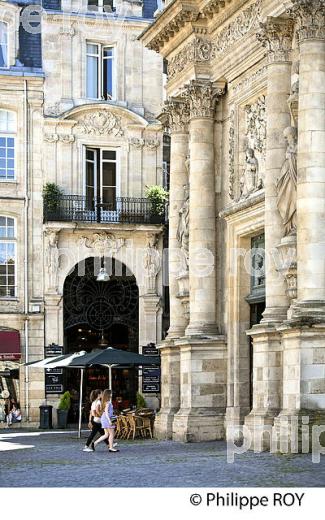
94,419
106,420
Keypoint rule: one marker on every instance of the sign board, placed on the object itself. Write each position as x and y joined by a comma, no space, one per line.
150,374
53,376
150,350
54,389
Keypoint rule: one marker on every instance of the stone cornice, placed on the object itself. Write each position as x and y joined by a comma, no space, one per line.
310,18
171,20
276,36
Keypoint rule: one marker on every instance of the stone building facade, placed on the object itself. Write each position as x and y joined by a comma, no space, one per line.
245,351
78,98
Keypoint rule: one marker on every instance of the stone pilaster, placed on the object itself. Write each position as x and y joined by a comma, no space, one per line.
276,35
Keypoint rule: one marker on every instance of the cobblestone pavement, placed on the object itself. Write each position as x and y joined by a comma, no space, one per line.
57,460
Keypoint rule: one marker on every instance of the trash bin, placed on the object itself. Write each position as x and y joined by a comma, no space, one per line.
45,417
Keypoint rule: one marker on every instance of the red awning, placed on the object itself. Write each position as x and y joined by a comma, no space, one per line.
9,345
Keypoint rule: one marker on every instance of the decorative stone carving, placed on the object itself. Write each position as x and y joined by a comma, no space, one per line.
286,185
184,293
52,258
183,229
310,18
288,264
152,144
247,20
51,138
249,80
186,14
276,35
293,99
256,125
231,154
68,31
67,138
136,142
197,51
177,114
102,122
151,262
201,98
250,180
102,243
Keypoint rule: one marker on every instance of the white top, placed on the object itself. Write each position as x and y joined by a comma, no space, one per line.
95,405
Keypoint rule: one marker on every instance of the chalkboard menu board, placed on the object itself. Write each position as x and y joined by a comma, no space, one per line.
150,374
53,376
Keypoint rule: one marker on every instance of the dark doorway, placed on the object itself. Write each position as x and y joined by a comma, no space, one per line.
98,315
256,314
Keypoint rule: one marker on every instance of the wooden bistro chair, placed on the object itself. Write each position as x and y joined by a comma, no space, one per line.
146,426
135,425
123,427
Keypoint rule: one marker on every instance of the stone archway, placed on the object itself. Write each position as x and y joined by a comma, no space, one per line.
101,314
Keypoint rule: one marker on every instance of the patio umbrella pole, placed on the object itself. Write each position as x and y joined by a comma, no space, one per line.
80,401
110,377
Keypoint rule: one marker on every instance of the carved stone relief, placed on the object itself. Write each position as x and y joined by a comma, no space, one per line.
151,263
310,18
177,114
201,50
101,122
102,243
287,184
52,258
183,229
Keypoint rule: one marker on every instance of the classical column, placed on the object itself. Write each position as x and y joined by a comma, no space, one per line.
202,352
177,113
310,17
276,35
303,337
178,122
202,237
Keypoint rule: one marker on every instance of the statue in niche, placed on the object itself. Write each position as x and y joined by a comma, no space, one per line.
151,262
250,180
286,185
183,230
52,258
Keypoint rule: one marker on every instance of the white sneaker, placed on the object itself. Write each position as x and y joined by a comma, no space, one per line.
86,448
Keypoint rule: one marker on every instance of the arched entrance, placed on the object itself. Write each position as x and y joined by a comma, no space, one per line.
97,315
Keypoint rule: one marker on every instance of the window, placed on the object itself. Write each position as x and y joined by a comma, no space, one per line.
100,72
3,44
7,257
101,5
7,145
101,177
258,264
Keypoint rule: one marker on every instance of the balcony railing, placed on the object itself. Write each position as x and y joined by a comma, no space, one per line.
78,208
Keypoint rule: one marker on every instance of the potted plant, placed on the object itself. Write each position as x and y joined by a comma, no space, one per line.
158,197
63,410
141,403
51,196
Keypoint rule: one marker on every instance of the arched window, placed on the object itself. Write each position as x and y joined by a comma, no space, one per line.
3,44
8,260
7,145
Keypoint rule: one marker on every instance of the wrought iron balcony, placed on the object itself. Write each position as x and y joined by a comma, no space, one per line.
78,208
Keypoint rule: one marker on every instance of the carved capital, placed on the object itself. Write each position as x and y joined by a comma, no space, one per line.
201,98
276,36
310,18
177,113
